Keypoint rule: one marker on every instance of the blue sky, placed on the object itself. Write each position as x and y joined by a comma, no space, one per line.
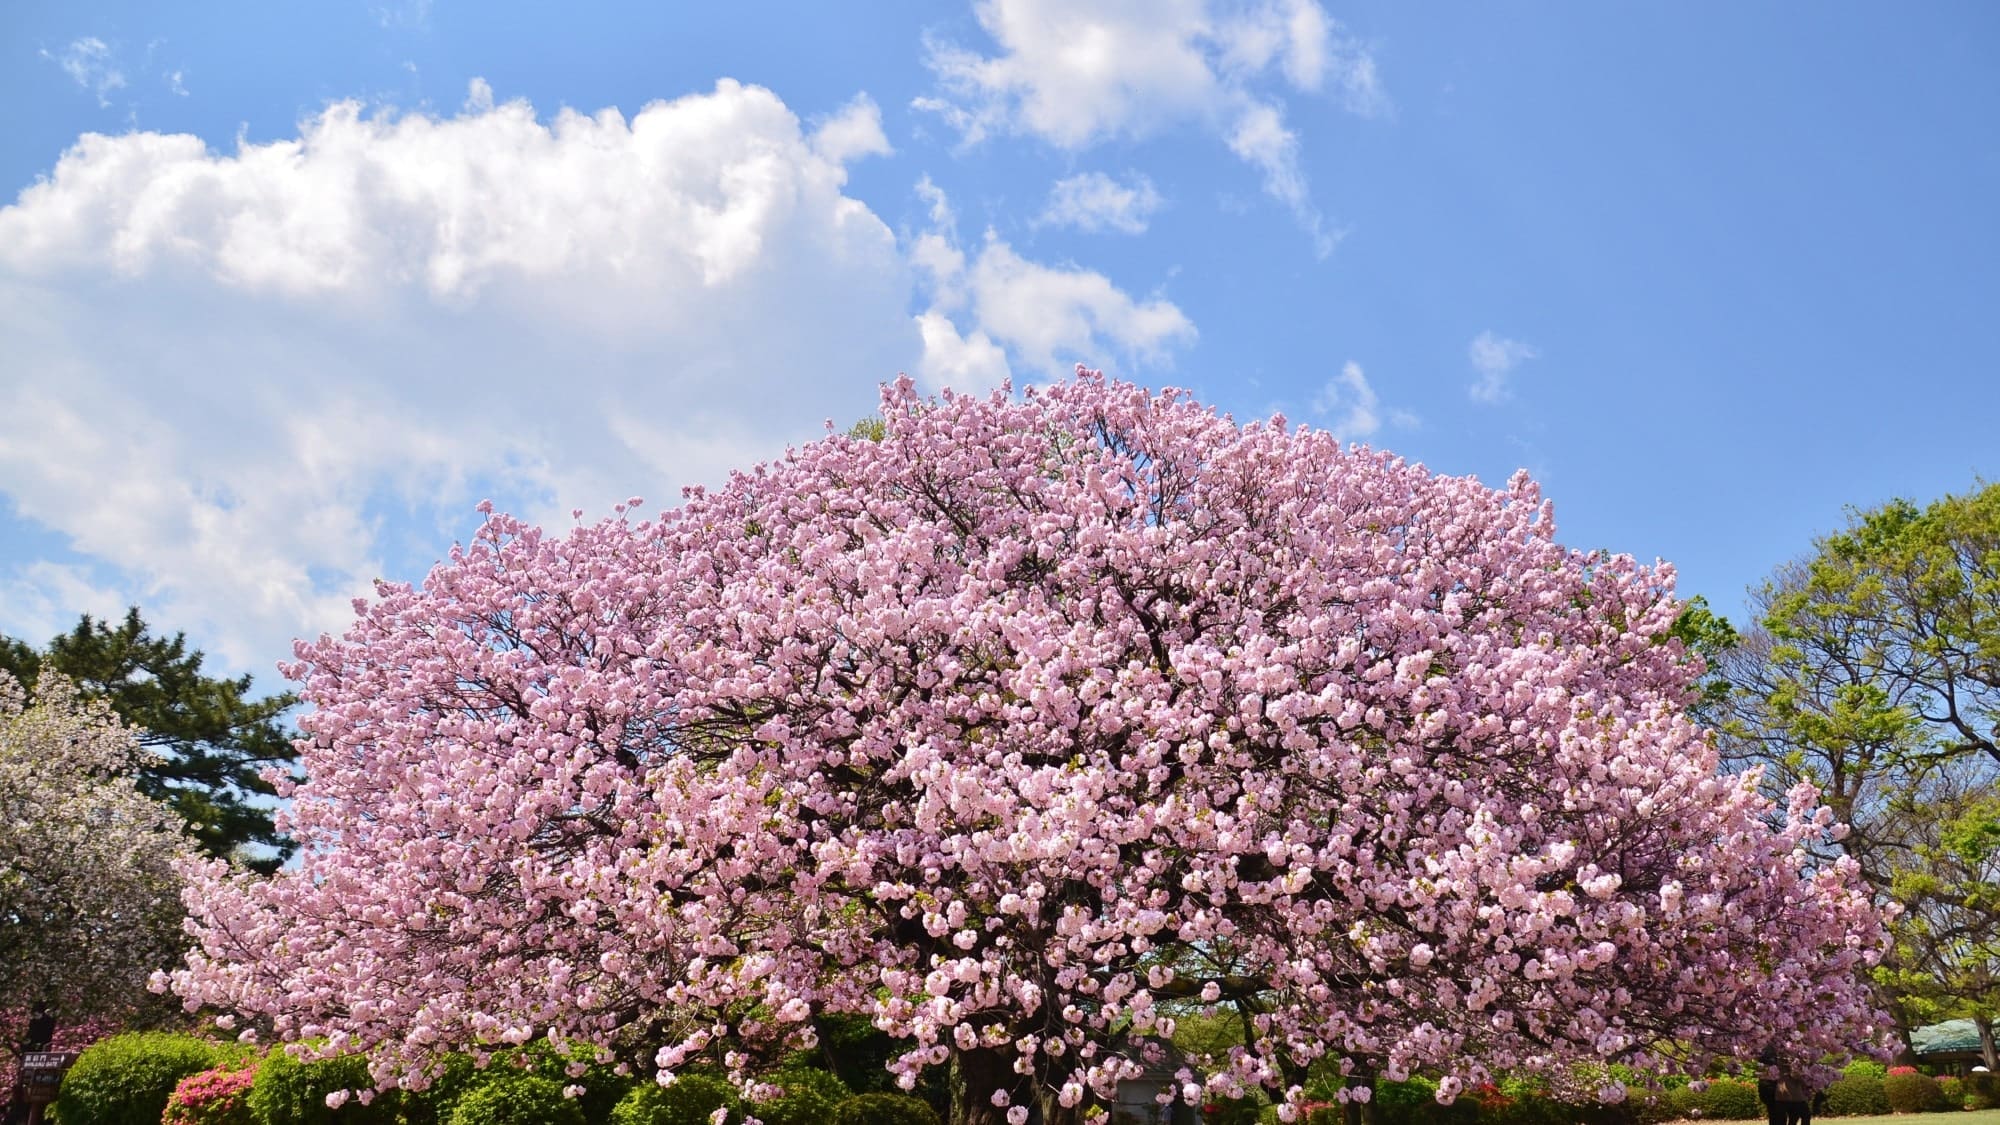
287,289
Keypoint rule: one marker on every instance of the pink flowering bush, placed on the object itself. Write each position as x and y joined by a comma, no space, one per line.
1016,731
220,1096
1909,1091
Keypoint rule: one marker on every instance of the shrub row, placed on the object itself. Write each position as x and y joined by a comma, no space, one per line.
155,1078
1863,1090
127,1079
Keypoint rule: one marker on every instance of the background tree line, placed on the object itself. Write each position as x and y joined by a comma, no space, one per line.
1872,670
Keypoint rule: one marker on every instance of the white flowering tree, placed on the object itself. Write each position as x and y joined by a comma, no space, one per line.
89,900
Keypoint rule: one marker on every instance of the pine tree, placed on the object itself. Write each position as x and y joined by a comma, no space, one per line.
211,736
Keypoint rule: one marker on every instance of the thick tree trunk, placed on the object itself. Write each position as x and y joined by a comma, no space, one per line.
1048,1111
1985,1028
1361,1113
1906,1055
975,1075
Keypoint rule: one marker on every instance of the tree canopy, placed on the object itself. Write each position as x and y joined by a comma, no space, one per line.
89,898
1018,727
214,738
1874,674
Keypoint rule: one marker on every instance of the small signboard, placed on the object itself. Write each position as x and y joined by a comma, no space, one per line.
42,1074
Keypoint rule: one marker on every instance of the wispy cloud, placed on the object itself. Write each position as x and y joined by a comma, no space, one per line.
1094,201
43,598
1495,358
1352,410
92,64
1075,73
403,15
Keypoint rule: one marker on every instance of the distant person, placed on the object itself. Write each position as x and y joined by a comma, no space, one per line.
1767,1084
1792,1101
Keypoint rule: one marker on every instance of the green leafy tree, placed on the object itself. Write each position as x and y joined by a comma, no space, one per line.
1874,673
1708,635
211,738
1947,959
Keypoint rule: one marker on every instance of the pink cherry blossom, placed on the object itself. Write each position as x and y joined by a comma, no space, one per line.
1034,724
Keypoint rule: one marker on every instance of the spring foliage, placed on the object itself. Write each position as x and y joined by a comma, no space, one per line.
1874,674
1014,728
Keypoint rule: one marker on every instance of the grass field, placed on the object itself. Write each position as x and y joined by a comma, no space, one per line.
1961,1117
1976,1117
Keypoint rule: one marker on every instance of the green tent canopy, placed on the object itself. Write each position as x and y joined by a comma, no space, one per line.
1949,1037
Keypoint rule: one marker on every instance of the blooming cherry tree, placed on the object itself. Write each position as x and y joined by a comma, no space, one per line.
1021,729
89,899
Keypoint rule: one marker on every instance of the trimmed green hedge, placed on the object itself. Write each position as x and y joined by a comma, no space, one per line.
1864,1068
517,1099
884,1109
1855,1094
290,1092
689,1101
1413,1102
1728,1099
127,1079
809,1098
1982,1091
432,1105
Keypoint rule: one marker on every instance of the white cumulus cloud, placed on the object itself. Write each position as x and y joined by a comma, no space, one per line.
1046,317
1495,358
241,384
1055,316
854,132
1074,73
232,377
955,359
1093,201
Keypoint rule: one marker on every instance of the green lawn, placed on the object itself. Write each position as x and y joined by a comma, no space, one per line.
1961,1117
1976,1117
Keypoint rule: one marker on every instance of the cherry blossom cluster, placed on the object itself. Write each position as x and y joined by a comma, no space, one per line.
1024,729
